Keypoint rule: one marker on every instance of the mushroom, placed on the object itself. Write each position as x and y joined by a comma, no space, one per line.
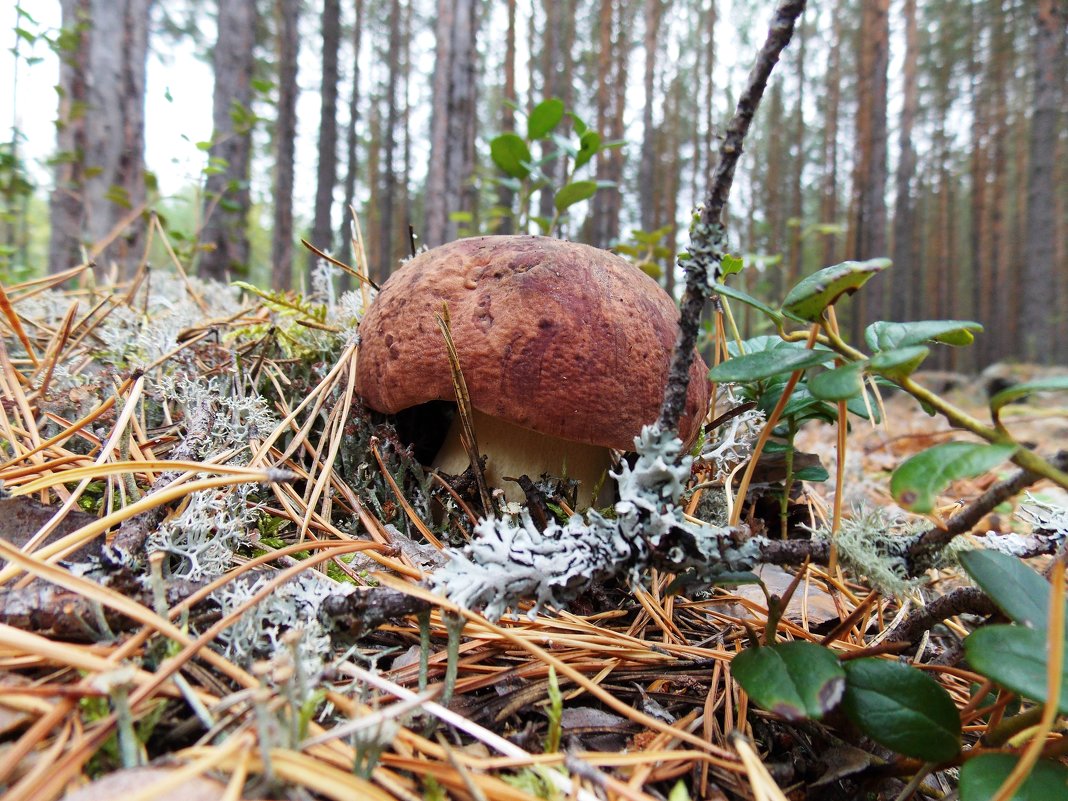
564,349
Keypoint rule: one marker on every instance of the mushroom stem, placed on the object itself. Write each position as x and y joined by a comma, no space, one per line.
514,451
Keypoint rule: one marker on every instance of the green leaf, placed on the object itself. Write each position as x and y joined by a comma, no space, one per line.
1017,391
511,154
981,777
899,362
766,363
1015,657
573,193
814,474
809,298
798,680
545,116
920,478
589,145
748,300
888,336
578,123
902,708
729,265
841,383
1020,592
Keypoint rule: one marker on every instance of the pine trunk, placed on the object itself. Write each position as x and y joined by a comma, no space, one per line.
352,162
100,181
452,126
869,177
647,168
1039,279
904,289
505,196
285,134
829,147
224,236
797,211
326,177
388,234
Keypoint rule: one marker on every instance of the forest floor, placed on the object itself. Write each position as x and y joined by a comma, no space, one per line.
282,642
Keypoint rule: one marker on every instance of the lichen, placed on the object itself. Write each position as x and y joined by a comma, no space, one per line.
510,561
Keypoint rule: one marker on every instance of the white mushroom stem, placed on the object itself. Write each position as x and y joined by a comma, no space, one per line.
513,451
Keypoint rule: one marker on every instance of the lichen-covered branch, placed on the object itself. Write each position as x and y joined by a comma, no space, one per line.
934,540
510,560
707,235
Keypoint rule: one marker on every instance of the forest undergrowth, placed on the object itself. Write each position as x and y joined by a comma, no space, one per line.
223,576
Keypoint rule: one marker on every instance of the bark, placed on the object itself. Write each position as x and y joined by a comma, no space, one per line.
352,161
100,177
903,289
505,196
374,243
1039,277
326,176
797,211
556,71
868,225
65,203
829,147
598,214
606,205
997,261
452,126
387,233
709,68
774,183
411,240
647,170
286,18
224,236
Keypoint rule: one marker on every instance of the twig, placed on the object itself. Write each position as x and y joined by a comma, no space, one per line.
965,600
932,541
707,234
128,543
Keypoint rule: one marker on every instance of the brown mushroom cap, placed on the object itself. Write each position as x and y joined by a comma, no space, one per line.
561,338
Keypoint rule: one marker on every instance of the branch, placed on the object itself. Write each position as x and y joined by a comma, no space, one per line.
707,234
925,548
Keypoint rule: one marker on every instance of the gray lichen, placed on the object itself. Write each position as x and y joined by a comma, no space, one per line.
510,561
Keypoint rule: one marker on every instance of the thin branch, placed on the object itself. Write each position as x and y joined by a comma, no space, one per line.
707,234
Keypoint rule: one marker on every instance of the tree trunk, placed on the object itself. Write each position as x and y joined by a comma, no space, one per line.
903,290
797,211
452,124
100,179
647,169
710,150
225,232
352,164
829,147
326,176
869,178
775,157
999,269
286,19
613,59
1039,279
505,196
66,200
598,214
388,235
556,71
